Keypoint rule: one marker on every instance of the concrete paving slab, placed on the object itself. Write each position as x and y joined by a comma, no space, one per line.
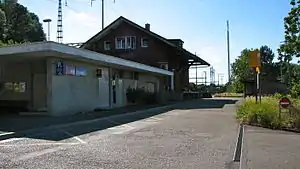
270,149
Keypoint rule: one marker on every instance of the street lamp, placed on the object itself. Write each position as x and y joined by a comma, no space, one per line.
48,21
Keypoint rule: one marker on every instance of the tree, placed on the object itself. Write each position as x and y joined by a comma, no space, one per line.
291,47
2,24
21,25
241,71
269,69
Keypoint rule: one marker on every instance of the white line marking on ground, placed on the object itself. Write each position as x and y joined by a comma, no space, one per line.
37,144
10,140
3,134
119,124
155,118
36,154
75,137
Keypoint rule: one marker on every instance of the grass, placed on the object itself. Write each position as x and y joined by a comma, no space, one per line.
229,95
267,113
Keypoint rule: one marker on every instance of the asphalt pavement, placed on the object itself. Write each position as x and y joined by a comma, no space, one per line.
198,134
270,149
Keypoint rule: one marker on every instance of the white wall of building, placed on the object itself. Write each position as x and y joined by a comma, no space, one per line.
72,94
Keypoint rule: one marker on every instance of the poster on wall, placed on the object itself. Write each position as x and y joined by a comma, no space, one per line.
81,71
59,68
22,87
70,70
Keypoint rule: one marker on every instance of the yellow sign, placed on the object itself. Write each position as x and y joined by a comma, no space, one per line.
254,59
257,69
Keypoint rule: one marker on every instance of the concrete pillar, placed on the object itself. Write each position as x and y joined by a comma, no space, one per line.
110,86
49,73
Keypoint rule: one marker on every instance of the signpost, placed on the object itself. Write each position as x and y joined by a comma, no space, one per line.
284,104
255,63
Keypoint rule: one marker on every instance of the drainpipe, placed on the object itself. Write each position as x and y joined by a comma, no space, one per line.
172,80
110,86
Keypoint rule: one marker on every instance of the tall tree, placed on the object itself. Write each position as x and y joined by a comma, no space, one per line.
291,47
268,68
21,25
242,72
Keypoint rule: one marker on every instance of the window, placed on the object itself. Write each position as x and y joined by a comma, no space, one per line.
98,72
144,42
107,45
130,42
135,76
120,43
127,42
164,66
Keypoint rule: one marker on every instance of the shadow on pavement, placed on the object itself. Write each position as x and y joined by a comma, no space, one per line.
215,103
22,123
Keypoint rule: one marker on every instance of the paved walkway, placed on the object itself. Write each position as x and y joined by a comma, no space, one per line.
196,135
15,123
270,149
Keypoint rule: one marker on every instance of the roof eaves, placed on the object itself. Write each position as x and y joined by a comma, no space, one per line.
195,57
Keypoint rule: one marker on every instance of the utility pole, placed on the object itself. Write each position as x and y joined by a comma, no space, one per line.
205,78
102,14
59,23
102,11
228,51
218,79
196,75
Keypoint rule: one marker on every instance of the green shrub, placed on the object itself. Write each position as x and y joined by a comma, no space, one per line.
229,95
140,96
267,115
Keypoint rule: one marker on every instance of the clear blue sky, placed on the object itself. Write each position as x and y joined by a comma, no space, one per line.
201,24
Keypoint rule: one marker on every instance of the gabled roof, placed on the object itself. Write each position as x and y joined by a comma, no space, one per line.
121,19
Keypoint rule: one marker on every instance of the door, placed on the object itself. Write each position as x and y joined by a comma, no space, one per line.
39,92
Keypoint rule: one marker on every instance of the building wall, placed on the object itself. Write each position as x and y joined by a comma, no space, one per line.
72,94
156,52
146,81
33,73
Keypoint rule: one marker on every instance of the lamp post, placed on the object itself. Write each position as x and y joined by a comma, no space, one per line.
48,21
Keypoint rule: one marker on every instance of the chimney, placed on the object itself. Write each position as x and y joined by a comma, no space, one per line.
147,26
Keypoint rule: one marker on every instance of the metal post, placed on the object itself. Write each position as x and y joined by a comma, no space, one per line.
289,75
205,78
228,51
196,75
258,87
218,79
281,76
102,14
